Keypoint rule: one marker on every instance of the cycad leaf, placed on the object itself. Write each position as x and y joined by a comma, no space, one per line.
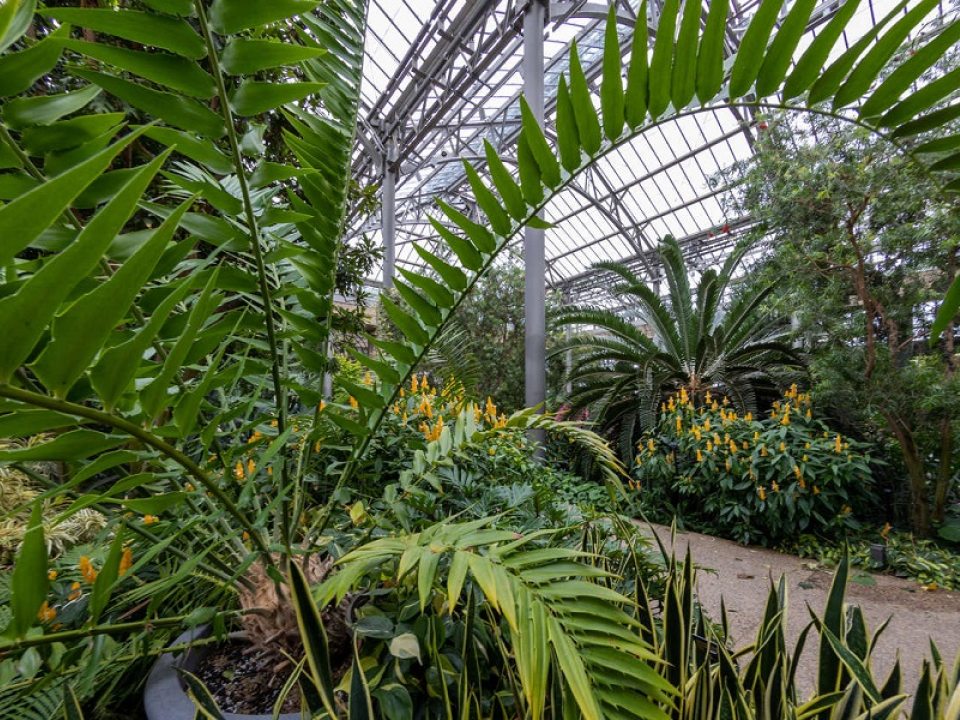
478,234
780,53
538,146
452,276
468,255
710,55
159,31
828,81
568,140
174,71
254,98
117,366
588,124
23,219
79,333
661,64
910,71
19,70
46,109
499,220
745,65
611,86
246,56
863,75
811,63
683,83
25,314
919,101
179,111
635,102
530,181
405,322
231,16
434,290
509,190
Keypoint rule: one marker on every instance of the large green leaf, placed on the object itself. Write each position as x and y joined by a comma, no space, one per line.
73,445
26,314
635,101
611,86
28,582
179,111
157,31
23,219
15,19
661,64
231,16
246,56
18,71
746,65
253,98
45,109
588,124
710,55
174,71
684,79
780,53
79,333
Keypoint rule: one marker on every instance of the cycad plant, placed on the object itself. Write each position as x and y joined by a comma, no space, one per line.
716,339
173,212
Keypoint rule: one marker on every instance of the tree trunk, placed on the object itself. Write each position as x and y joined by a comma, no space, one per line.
944,471
919,506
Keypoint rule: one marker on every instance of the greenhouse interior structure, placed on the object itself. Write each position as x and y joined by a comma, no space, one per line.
479,359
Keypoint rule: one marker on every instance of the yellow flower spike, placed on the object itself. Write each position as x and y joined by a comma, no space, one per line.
75,592
816,490
726,401
150,519
708,397
802,483
269,470
189,487
651,445
775,486
368,378
846,510
251,466
808,415
316,446
762,493
46,613
491,451
785,420
273,423
783,447
671,406
414,383
709,446
663,407
887,527
745,445
806,458
706,425
796,472
245,536
51,575
756,435
126,561
353,403
403,393
403,418
679,424
729,465
837,445
748,417
699,455
87,570
714,406
763,451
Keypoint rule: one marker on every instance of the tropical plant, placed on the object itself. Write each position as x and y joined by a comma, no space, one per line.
695,342
755,480
870,250
157,338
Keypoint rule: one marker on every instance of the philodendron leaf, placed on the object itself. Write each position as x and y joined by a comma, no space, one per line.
29,582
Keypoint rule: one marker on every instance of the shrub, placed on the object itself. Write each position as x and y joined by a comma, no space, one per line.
753,480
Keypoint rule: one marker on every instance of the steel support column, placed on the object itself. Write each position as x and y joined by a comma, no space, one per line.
535,347
388,214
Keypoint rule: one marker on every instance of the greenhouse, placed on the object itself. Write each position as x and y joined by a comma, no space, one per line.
479,359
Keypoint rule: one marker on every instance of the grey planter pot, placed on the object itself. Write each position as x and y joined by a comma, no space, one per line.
164,697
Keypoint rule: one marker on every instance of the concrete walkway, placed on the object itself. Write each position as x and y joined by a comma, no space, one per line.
741,575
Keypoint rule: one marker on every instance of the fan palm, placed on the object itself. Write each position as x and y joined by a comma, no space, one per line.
693,341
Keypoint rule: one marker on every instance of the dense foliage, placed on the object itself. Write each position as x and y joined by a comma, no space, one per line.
711,339
862,250
175,182
762,480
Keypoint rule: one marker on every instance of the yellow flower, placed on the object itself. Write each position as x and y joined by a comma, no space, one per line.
238,470
756,436
796,472
150,519
745,445
816,490
87,570
368,378
729,465
709,446
651,445
491,451
762,493
321,406
808,415
837,445
706,425
245,536
414,383
251,466
708,397
679,424
52,575
189,487
75,592
353,403
403,393
46,613
763,451
699,455
887,527
783,447
126,561
748,417
775,486
806,458
846,510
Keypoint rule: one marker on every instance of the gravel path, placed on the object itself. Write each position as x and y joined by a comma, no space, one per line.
741,575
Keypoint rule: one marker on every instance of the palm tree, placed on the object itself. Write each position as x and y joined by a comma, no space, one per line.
695,341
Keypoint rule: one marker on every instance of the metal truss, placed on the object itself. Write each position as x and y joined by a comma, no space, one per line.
444,75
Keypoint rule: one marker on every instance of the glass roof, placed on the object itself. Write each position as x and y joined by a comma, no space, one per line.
443,75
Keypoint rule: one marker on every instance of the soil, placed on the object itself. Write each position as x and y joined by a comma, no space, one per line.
244,680
742,576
